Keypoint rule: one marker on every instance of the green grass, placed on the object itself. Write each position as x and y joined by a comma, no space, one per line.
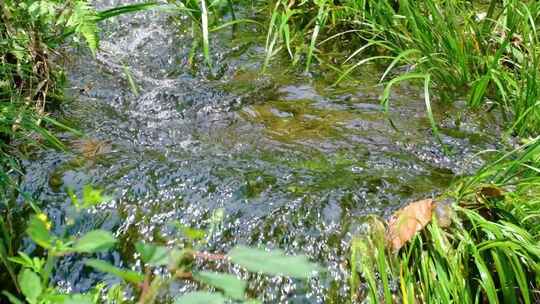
30,85
483,60
490,253
206,17
487,54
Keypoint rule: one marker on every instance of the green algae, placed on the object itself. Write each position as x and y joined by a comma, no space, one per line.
292,121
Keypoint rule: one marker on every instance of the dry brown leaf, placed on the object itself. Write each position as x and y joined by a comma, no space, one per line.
491,192
406,222
90,148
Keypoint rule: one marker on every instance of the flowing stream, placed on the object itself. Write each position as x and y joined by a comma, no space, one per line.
280,160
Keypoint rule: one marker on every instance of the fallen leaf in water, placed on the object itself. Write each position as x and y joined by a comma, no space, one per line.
406,222
491,192
90,148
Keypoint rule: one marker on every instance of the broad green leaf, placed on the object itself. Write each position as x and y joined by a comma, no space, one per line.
231,285
34,9
125,274
152,254
274,262
30,284
79,299
38,232
94,241
200,297
76,298
41,9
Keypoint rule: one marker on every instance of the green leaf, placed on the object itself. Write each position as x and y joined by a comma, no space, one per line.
34,9
94,241
231,285
79,299
127,275
38,232
479,90
152,254
30,284
83,22
90,33
200,297
92,196
192,233
274,262
131,8
388,88
42,9
23,259
13,299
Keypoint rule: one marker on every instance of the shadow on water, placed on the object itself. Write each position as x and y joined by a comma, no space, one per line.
292,162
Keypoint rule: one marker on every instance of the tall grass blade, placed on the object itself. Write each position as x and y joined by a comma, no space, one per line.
205,34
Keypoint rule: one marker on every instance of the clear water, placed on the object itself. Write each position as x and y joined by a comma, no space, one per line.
293,162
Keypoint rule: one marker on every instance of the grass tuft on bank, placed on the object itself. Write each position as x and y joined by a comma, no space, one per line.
489,254
486,53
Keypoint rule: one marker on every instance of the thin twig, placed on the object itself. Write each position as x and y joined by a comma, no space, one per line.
210,256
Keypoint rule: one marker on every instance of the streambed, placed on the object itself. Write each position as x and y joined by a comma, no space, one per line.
286,159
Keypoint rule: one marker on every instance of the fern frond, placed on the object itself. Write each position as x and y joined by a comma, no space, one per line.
83,20
89,31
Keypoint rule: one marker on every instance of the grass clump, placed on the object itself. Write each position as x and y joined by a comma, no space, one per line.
31,84
489,54
488,254
485,53
206,17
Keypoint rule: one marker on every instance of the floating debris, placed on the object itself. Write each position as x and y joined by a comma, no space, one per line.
406,222
90,148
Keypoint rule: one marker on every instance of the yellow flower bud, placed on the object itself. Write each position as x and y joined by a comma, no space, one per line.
43,217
